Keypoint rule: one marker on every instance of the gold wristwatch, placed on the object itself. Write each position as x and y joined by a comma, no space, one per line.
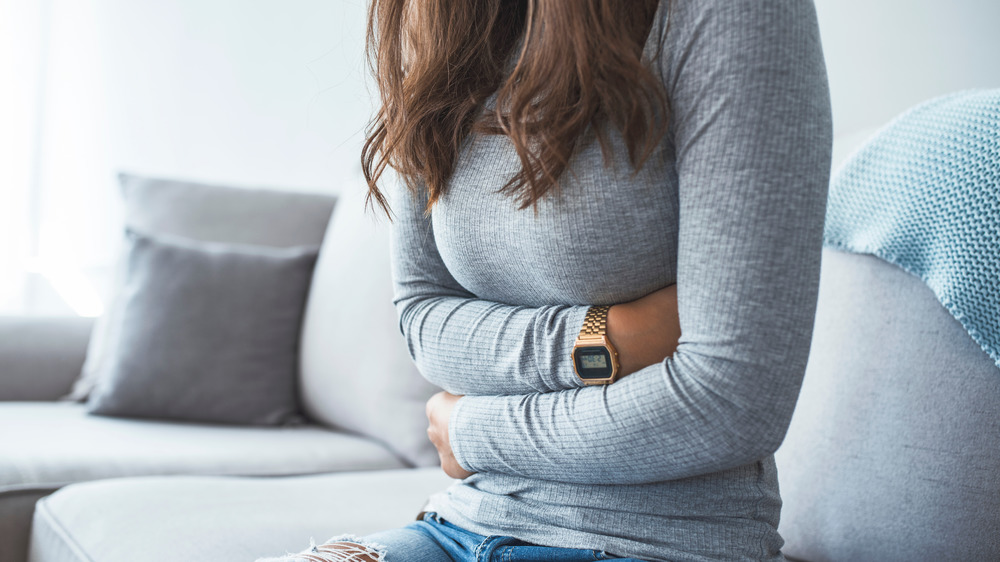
595,360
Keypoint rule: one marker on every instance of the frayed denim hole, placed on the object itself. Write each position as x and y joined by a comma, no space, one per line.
359,547
326,553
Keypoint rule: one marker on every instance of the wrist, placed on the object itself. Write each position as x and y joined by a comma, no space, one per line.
621,323
645,331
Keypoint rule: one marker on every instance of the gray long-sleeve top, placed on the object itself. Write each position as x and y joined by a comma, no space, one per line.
673,462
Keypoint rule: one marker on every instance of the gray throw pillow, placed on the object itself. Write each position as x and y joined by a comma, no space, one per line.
208,332
209,213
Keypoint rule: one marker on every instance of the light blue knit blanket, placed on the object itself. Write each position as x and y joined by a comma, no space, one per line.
924,194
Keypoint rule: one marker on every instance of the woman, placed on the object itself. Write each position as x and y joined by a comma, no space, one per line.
560,155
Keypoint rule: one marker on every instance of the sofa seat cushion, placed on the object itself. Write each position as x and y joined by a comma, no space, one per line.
222,519
48,445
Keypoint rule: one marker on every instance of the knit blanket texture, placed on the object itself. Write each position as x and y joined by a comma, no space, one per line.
924,194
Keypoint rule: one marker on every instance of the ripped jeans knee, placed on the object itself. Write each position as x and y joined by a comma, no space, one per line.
345,548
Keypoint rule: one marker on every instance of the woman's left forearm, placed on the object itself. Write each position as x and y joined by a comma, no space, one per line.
661,423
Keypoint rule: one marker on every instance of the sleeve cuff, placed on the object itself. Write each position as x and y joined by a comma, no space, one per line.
454,433
472,429
574,323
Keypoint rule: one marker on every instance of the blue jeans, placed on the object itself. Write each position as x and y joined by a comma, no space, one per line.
435,540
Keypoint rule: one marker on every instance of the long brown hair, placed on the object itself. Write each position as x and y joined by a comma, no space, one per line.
436,62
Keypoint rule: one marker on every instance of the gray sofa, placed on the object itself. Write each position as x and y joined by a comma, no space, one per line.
360,392
892,452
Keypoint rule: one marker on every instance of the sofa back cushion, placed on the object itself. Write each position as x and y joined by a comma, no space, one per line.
207,213
216,213
356,371
894,449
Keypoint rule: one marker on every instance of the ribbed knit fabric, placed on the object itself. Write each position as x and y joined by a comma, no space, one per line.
673,462
924,194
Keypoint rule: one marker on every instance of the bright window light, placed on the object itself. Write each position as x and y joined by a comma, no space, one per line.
71,285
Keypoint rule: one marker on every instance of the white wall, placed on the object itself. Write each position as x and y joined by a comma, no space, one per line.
884,56
246,92
20,49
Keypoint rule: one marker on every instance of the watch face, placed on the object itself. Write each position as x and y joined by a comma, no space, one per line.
593,362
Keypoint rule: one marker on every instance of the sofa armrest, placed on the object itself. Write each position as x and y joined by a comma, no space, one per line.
40,357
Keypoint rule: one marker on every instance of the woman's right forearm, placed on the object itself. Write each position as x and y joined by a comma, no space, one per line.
470,346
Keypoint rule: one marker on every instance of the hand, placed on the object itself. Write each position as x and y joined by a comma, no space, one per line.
645,331
439,409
